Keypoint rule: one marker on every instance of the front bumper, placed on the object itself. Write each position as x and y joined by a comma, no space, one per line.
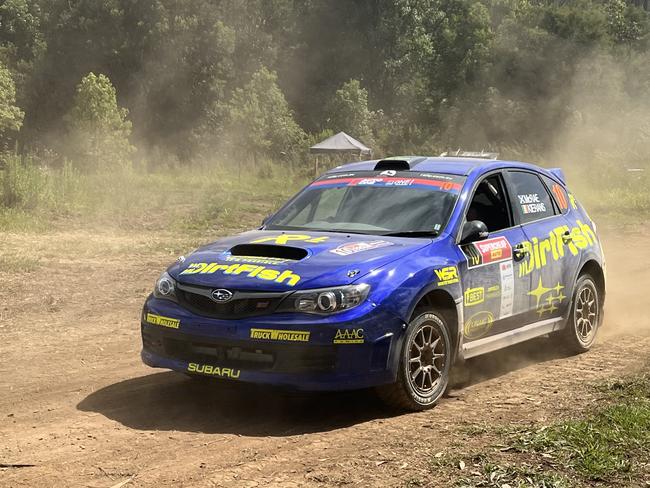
354,349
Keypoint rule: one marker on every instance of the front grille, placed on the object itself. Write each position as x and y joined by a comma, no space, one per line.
279,358
242,305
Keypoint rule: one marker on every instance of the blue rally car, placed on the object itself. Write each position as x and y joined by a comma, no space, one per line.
384,273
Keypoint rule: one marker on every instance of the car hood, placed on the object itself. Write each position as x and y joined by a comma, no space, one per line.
287,260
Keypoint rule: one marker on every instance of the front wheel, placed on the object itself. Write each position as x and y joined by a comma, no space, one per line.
424,363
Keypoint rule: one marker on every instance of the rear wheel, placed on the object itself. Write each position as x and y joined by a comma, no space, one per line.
424,364
580,332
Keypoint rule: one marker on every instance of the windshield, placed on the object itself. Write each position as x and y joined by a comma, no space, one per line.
373,203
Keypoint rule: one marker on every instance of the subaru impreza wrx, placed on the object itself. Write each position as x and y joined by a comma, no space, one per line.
385,273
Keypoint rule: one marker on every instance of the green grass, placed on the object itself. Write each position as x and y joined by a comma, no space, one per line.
194,200
608,444
489,474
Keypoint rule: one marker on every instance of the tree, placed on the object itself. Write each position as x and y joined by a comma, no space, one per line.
11,117
260,120
98,130
21,41
348,111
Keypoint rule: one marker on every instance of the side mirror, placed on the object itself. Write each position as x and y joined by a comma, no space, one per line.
474,230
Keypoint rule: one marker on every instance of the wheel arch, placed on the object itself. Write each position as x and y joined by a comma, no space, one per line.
443,302
595,270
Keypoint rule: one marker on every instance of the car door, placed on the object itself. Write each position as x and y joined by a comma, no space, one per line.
494,294
551,258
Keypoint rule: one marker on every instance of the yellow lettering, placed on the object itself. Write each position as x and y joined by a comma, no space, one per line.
268,274
578,238
243,268
544,248
231,269
558,238
587,232
292,278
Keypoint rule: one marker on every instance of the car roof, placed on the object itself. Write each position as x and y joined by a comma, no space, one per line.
447,165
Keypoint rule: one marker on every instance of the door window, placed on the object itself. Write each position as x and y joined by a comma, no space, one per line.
530,196
490,205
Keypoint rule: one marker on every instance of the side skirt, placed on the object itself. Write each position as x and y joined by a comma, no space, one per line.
511,337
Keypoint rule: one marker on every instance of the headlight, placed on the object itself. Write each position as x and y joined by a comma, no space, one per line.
326,300
165,287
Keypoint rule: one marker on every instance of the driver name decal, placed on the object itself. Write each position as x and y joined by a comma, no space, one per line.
488,251
530,203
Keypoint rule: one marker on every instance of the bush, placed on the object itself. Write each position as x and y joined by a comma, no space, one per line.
25,185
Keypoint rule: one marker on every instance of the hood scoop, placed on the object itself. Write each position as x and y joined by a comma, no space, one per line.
269,251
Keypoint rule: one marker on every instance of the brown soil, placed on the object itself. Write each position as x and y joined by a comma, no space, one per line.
78,408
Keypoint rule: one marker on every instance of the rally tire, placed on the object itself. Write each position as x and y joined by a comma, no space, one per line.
424,364
584,318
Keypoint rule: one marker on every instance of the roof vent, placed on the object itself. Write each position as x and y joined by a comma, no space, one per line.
470,154
394,164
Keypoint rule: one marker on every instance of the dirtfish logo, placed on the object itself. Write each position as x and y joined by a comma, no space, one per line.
540,252
250,270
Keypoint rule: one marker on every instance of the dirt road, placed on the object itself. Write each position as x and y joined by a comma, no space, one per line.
77,408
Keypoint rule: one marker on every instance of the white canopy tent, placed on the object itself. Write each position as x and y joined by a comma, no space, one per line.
341,143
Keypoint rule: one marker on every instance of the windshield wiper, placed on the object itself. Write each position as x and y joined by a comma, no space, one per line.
412,233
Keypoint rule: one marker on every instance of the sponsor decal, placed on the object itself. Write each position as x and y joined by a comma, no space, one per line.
447,276
388,172
434,175
355,247
560,196
478,325
507,274
256,260
540,252
530,203
280,335
547,298
285,238
493,291
210,370
388,181
474,296
287,277
488,251
349,336
162,321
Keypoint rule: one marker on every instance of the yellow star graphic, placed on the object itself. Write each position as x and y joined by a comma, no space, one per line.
558,298
539,291
558,287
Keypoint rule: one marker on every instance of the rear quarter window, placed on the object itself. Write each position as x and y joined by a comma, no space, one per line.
559,194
